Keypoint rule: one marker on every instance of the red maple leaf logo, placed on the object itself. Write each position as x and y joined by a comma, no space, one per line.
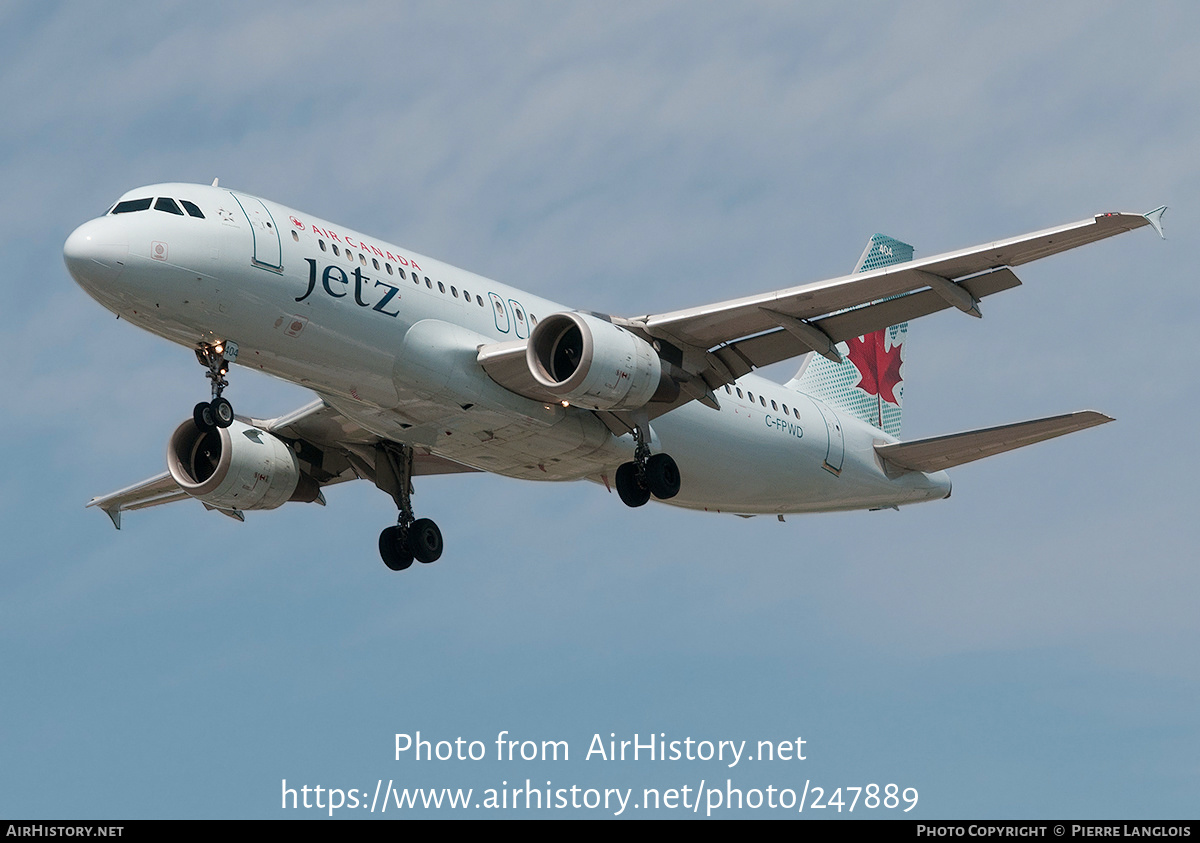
878,369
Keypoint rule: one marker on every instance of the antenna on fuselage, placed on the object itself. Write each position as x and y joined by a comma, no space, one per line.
215,181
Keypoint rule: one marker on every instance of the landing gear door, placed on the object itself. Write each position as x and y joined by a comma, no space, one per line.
267,251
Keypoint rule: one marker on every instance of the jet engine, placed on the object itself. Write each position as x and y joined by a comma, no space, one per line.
592,363
237,467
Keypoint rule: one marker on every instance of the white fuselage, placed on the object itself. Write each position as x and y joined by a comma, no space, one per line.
389,338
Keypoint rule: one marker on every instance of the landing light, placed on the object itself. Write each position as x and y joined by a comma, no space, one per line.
566,403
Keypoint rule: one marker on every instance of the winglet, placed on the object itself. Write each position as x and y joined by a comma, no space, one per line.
1155,219
115,514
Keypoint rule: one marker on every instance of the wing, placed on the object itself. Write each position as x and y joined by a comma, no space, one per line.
755,331
704,348
331,449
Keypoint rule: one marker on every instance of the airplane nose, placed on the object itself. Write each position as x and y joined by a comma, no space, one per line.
96,253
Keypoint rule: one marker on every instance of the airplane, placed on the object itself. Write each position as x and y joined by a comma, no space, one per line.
422,368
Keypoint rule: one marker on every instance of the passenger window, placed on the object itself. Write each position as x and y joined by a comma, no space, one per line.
762,400
362,259
131,205
400,269
335,248
388,266
191,208
428,283
441,287
796,413
295,236
739,392
774,406
786,411
751,394
375,263
728,391
479,299
454,291
321,243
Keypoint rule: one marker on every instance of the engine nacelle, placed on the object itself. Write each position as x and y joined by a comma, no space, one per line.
237,467
593,363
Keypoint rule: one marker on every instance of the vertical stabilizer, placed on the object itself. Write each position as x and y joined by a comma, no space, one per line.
869,383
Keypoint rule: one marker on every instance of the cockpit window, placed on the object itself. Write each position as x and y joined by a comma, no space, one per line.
191,208
131,205
167,204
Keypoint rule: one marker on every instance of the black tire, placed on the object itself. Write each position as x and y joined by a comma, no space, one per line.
222,412
394,556
202,415
425,541
662,476
630,491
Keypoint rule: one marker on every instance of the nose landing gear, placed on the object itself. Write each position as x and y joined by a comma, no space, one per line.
218,412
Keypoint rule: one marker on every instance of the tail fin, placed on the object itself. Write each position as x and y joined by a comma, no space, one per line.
869,383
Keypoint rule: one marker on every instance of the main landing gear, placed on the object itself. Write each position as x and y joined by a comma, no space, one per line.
647,475
218,412
411,538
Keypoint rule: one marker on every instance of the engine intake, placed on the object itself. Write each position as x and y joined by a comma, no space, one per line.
592,363
237,467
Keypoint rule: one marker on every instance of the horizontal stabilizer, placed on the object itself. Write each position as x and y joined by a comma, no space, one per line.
942,452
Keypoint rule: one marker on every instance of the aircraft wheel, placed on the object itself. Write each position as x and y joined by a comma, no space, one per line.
202,415
630,491
425,540
395,557
662,476
222,412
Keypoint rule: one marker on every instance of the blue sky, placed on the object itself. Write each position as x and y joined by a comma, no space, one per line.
1024,649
